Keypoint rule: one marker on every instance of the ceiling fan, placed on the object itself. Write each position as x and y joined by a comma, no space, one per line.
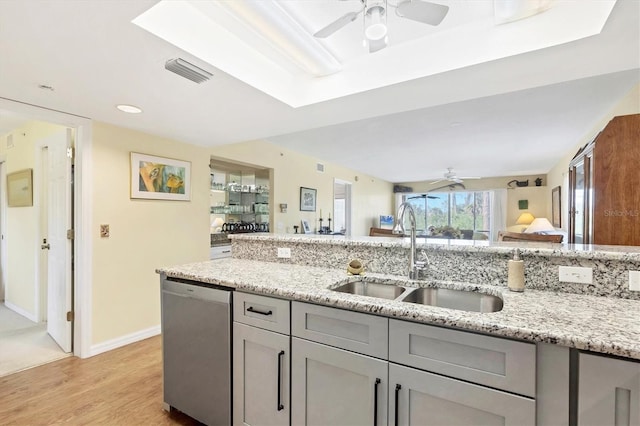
452,176
375,19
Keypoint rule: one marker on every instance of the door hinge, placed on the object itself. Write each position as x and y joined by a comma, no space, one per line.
70,316
71,234
70,153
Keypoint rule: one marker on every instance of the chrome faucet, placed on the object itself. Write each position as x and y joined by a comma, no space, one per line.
415,266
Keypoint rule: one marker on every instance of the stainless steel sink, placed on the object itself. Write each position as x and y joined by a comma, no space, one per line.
371,289
454,299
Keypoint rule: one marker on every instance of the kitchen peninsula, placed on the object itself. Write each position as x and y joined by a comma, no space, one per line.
520,356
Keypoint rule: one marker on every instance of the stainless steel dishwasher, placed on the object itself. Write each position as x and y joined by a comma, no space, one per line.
196,349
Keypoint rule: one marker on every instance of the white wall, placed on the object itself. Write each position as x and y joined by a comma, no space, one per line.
371,197
145,234
22,240
558,175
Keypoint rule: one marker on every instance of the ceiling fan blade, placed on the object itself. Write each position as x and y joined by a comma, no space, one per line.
470,177
422,11
336,25
437,181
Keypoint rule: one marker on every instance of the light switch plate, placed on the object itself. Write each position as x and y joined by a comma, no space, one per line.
575,274
634,280
104,231
284,253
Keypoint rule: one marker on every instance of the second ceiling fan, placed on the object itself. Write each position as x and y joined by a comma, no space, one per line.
375,17
452,176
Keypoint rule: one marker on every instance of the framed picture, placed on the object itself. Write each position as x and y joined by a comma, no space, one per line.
307,199
386,222
306,229
556,209
159,178
20,188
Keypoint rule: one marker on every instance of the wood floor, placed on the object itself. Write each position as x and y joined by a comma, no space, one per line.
120,387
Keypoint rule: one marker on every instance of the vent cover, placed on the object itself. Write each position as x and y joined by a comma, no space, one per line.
187,70
320,167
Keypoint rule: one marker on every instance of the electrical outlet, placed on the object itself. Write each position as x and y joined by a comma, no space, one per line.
104,231
574,274
634,280
284,253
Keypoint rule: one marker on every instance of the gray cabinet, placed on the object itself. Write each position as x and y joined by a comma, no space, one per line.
608,391
261,360
485,360
423,399
261,366
331,386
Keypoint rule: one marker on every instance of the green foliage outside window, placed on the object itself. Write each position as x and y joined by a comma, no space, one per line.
456,210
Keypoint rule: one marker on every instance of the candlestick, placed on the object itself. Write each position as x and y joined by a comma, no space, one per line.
320,214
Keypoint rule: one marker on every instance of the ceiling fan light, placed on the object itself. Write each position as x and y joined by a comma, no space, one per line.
375,25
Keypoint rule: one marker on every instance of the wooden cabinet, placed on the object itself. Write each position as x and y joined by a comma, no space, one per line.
604,200
331,386
608,391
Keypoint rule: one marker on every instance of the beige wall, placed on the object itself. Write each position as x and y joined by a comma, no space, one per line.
371,197
145,234
558,175
22,239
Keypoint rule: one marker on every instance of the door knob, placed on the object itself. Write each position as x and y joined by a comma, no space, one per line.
45,246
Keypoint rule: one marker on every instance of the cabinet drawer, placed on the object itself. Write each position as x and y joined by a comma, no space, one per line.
353,331
490,361
220,252
262,311
426,399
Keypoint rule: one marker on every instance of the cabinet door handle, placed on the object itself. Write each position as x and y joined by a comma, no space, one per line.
255,311
280,357
375,402
398,387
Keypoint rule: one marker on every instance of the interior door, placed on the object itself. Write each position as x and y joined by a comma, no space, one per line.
59,290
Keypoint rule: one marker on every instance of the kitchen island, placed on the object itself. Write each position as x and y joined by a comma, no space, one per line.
528,350
596,319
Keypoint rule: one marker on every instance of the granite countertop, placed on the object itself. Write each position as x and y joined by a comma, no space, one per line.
583,251
600,324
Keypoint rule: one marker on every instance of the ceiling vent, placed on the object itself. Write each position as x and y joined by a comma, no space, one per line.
187,70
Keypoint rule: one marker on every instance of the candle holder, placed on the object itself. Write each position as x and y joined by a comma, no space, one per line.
329,226
320,230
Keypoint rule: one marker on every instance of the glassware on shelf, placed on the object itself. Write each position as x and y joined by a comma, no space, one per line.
218,186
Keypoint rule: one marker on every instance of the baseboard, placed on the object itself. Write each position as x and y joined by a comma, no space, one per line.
20,311
124,340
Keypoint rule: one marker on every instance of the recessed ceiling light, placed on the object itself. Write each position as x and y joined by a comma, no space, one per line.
129,108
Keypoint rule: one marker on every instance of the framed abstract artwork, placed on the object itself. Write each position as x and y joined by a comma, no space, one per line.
160,178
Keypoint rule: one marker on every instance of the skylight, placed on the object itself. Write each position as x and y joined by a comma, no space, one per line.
239,41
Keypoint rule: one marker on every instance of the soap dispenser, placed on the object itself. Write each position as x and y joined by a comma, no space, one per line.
515,279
